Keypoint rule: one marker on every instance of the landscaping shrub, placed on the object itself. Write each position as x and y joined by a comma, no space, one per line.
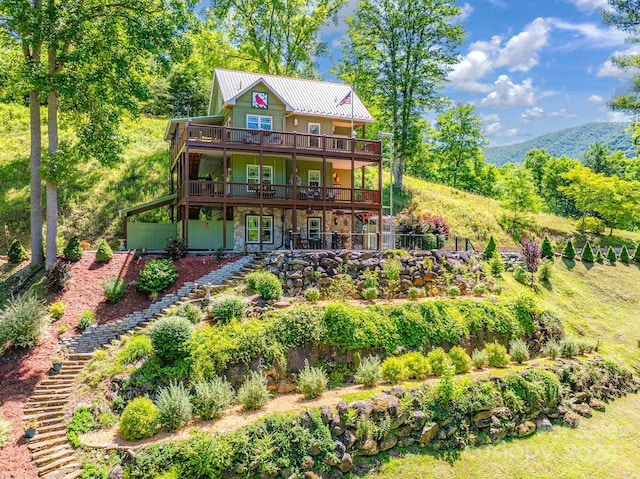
212,397
636,254
460,359
453,291
58,276
104,253
394,370
139,419
599,257
114,289
624,255
297,326
312,294
479,289
479,358
368,372
191,311
86,319
518,350
342,286
547,249
73,250
569,348
16,252
569,251
552,349
169,337
23,320
253,394
227,306
157,275
174,406
491,248
546,271
520,274
497,355
57,309
413,292
176,248
611,255
587,253
135,348
352,327
392,268
370,278
5,431
496,264
81,422
591,224
265,283
369,293
252,279
312,382
438,361
416,364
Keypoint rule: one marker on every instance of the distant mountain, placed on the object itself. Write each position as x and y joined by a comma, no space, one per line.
572,142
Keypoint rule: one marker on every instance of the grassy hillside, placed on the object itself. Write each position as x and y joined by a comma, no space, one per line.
572,142
88,203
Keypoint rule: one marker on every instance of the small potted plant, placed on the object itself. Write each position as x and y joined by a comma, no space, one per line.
30,428
58,359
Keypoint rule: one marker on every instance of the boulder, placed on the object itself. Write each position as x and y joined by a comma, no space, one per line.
497,434
418,419
383,403
346,463
418,281
428,433
597,405
388,442
285,387
582,409
571,419
368,448
117,472
543,424
525,429
325,414
362,407
349,439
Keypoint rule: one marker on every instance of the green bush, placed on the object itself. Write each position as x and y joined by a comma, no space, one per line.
174,406
624,255
491,248
453,291
479,289
297,326
370,278
413,292
191,311
416,364
58,276
104,253
394,370
134,349
518,350
114,289
169,337
57,309
369,293
253,394
569,348
81,422
312,294
227,306
86,319
5,431
599,257
23,320
497,355
176,248
353,327
547,249
587,253
636,254
312,382
611,255
139,419
342,286
460,359
73,250
265,283
569,251
546,271
520,274
368,372
552,349
157,275
212,397
16,252
479,358
591,224
439,360
496,264
252,279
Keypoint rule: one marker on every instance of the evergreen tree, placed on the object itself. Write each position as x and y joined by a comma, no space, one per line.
624,255
636,254
547,249
491,248
16,252
73,251
587,253
569,251
599,257
104,254
611,255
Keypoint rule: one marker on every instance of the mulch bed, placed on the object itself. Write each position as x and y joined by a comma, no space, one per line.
22,370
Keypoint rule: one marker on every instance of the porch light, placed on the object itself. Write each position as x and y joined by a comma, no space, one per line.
295,121
309,210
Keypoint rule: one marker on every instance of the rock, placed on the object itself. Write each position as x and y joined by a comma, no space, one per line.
580,397
525,429
482,416
397,391
428,433
362,407
368,448
325,414
388,443
346,463
313,475
418,419
543,424
314,450
571,419
281,304
117,473
430,276
406,441
349,439
497,434
597,405
383,403
271,384
405,431
582,409
285,387
338,448
343,408
307,463
418,281
331,460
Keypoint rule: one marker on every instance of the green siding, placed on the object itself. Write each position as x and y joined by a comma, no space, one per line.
149,235
243,108
326,124
210,236
239,167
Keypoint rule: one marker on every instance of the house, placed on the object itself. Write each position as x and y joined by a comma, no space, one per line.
277,162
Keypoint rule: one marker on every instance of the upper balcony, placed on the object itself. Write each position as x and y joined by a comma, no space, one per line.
243,139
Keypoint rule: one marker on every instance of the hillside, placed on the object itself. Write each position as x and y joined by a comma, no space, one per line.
571,142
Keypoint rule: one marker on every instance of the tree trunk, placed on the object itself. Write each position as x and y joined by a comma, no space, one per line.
52,188
36,180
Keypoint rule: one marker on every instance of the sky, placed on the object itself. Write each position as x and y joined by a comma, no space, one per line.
529,67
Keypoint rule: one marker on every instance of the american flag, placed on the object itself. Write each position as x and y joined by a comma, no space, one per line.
346,100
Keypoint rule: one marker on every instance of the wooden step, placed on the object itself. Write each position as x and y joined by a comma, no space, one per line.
73,475
65,473
43,453
49,401
34,411
60,426
49,394
49,455
42,422
44,415
46,443
56,465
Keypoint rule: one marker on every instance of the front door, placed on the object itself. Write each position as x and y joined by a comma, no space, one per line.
314,230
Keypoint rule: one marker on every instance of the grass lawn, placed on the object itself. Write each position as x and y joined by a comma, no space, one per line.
605,446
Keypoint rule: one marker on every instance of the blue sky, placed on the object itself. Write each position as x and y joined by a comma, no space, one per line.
530,66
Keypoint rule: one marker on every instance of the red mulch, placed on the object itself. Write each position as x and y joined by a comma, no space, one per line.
22,370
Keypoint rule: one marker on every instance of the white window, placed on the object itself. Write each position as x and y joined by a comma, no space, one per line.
253,231
314,227
314,129
253,174
314,178
259,122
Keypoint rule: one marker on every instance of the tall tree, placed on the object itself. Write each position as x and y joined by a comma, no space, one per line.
397,55
518,193
556,200
535,161
89,55
279,36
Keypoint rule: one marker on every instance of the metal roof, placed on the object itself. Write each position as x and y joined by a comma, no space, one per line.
305,97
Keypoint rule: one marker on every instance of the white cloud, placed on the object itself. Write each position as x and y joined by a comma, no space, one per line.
531,113
491,118
521,51
506,93
595,99
465,12
618,116
608,69
562,113
598,36
492,129
511,132
590,5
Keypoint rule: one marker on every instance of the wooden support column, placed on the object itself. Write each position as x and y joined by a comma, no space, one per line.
353,227
260,226
224,224
362,184
324,229
224,191
294,190
185,220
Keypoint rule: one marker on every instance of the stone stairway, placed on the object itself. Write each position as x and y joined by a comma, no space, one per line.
52,455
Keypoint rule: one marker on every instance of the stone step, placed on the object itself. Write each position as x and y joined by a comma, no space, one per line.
69,471
44,422
80,356
45,415
63,376
60,426
46,443
73,475
34,410
44,453
56,465
52,455
72,368
50,394
48,401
